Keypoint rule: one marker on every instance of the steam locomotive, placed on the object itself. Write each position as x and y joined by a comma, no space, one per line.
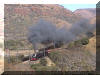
38,55
42,52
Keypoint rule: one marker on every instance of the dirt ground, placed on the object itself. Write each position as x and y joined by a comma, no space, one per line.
24,66
49,62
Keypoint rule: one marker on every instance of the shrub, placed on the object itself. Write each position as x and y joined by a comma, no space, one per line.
43,61
78,43
85,41
20,57
39,67
81,42
35,66
13,59
71,45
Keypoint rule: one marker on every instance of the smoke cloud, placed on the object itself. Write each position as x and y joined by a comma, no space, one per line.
45,32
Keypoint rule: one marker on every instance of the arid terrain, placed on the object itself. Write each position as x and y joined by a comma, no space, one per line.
77,59
79,54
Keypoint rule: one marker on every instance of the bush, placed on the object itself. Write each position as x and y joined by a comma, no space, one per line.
85,41
71,45
20,57
76,43
43,62
13,59
35,66
81,42
39,67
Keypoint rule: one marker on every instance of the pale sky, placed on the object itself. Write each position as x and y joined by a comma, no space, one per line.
73,7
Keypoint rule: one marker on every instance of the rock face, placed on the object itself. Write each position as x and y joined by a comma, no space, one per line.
86,13
23,16
89,14
18,19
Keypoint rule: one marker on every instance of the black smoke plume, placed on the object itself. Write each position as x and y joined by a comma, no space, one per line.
45,32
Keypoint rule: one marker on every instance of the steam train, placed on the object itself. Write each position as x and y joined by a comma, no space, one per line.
38,55
42,52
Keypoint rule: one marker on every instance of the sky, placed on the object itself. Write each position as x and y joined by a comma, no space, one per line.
73,7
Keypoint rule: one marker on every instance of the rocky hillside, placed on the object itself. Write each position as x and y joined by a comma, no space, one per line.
77,58
19,18
89,14
86,13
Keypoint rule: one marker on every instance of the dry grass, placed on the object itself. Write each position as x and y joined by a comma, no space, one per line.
18,65
74,60
91,46
20,52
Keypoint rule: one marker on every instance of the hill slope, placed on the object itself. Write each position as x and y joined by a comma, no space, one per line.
81,58
18,18
86,13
